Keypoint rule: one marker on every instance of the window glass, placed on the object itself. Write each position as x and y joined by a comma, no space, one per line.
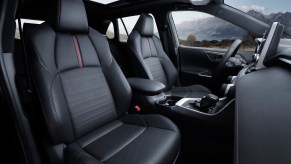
199,29
122,32
129,24
110,31
17,33
268,11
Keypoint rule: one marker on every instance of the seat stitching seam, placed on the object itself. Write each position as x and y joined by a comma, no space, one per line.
103,135
82,159
142,131
97,54
161,59
146,126
44,111
111,58
67,104
43,64
161,128
55,113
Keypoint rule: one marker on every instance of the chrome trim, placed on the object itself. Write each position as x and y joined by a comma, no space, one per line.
227,88
182,101
203,75
285,60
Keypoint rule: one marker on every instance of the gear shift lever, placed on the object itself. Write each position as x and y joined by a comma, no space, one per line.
206,102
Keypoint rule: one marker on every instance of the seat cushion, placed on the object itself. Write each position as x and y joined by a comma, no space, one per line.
193,91
131,139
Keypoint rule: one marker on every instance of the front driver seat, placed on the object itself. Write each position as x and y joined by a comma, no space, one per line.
151,62
85,96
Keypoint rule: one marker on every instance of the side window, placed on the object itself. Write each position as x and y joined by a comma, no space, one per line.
123,31
197,29
129,23
110,31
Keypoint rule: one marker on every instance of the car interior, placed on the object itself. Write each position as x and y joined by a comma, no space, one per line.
143,81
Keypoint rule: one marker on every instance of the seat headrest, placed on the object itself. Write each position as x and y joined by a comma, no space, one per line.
69,16
145,25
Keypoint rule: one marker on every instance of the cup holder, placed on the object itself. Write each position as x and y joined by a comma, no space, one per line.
169,101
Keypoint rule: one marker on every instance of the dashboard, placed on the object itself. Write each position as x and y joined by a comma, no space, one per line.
267,50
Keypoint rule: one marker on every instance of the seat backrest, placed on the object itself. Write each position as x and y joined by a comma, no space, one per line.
78,81
118,50
148,57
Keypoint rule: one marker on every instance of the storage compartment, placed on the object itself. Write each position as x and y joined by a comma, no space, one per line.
169,101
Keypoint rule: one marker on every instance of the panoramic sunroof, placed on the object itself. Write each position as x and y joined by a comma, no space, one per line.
104,2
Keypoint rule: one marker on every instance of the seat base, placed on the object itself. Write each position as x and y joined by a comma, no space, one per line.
193,91
130,140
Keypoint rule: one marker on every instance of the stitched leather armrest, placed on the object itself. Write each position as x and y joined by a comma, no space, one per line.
146,87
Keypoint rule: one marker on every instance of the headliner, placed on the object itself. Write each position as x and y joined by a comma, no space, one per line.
36,9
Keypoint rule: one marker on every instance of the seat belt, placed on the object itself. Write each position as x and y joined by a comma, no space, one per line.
25,83
165,39
167,50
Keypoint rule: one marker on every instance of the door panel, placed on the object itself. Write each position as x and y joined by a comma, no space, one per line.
196,64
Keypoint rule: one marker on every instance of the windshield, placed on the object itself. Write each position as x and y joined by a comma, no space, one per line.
268,11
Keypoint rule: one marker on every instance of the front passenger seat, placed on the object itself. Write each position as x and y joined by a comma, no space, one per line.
85,96
151,62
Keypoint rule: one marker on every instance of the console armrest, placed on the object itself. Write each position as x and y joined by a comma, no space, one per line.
145,86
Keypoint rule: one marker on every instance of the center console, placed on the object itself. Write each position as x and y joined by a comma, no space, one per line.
193,104
150,98
168,101
189,103
216,112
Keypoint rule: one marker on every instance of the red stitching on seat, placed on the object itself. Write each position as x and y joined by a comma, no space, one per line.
78,51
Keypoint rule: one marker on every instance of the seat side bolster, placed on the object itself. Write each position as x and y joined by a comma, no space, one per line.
141,68
169,68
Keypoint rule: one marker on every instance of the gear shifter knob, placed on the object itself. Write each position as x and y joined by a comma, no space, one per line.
207,101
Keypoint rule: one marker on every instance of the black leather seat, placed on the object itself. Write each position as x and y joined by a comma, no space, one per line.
85,96
151,62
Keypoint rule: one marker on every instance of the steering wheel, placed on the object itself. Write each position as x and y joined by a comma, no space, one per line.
231,52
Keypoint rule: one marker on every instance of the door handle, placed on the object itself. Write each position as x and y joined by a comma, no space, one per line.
205,74
214,56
